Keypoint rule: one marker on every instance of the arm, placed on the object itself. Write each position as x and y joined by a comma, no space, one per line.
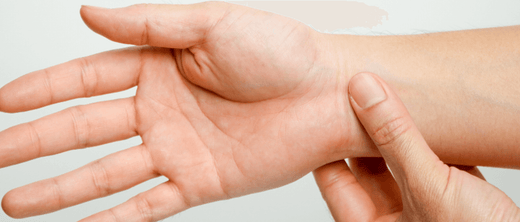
420,187
231,102
465,99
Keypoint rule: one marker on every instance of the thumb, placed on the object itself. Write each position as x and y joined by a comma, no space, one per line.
391,127
171,26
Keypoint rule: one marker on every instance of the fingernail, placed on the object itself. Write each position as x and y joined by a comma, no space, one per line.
366,91
92,7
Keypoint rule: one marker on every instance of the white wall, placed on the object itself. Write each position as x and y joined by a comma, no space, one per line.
38,34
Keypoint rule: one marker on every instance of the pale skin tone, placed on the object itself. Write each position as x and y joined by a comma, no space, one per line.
233,101
424,188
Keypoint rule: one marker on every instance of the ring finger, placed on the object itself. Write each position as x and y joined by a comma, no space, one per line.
111,174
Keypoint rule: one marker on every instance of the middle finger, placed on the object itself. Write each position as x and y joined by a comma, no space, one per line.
72,128
378,182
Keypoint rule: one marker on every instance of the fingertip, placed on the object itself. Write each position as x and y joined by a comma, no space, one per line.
330,172
377,106
89,8
389,124
2,101
85,10
162,25
22,94
6,101
345,197
88,15
332,177
28,201
379,110
114,24
366,91
125,25
12,206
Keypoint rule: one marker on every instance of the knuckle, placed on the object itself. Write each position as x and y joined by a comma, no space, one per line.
176,193
112,214
339,182
145,34
336,179
48,85
88,76
390,131
58,194
35,140
100,178
81,126
144,207
130,113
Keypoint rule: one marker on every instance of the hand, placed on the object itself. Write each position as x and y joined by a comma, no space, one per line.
230,101
429,189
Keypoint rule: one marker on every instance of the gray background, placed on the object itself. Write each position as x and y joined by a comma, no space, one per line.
38,34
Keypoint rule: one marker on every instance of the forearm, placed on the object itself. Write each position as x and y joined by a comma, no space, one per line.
461,88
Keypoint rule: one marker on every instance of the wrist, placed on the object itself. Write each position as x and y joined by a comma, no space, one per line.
344,56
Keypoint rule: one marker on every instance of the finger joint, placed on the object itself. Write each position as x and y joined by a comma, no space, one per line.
35,139
113,215
48,85
81,126
89,77
177,193
144,207
390,131
145,36
58,196
100,178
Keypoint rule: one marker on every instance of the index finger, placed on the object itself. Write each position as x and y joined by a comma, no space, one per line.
344,195
98,74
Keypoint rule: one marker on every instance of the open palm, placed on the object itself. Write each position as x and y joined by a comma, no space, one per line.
230,101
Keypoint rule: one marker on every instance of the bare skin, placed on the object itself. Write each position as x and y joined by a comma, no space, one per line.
226,108
424,189
465,97
229,102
